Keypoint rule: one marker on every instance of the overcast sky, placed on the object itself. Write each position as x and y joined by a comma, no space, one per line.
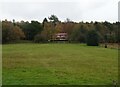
76,10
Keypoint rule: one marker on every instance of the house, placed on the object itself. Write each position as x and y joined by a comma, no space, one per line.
61,36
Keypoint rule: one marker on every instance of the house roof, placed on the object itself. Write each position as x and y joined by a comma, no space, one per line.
61,34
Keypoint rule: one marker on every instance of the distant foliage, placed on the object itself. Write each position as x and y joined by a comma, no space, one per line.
31,29
46,31
11,33
79,34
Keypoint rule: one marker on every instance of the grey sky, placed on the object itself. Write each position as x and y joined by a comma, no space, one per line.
76,10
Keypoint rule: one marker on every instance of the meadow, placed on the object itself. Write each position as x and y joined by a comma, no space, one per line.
58,64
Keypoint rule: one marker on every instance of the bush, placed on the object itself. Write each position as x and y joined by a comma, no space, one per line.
39,38
92,38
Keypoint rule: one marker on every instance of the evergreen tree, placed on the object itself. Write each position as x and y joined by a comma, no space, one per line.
92,38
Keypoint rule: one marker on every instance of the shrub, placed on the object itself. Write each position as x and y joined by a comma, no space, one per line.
92,38
39,38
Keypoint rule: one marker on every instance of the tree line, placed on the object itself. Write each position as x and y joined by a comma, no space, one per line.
82,32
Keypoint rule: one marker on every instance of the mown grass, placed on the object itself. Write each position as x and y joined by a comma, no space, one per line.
51,64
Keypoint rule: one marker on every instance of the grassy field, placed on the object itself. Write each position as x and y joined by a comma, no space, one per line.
51,64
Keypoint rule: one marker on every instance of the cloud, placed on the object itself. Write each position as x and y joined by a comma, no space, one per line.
76,10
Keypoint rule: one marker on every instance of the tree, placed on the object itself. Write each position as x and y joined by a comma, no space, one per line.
110,31
47,31
31,29
53,22
102,31
92,38
6,31
79,34
54,19
68,28
44,21
68,20
11,33
18,33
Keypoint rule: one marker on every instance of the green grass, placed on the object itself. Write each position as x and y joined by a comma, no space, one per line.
51,64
